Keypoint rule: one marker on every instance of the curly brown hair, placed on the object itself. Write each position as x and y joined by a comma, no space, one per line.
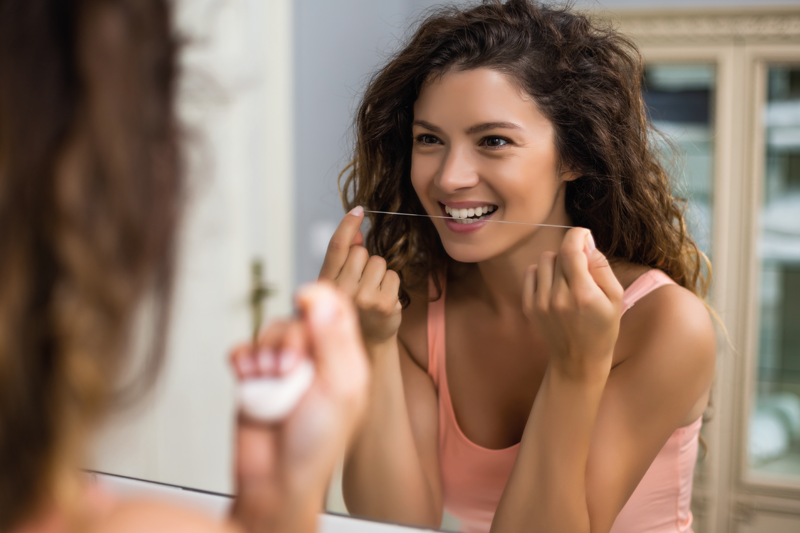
585,77
90,195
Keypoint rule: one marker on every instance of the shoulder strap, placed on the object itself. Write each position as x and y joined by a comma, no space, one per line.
644,285
435,331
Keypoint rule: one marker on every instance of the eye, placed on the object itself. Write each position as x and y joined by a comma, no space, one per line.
427,139
494,141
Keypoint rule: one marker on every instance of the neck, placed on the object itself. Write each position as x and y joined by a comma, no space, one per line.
502,276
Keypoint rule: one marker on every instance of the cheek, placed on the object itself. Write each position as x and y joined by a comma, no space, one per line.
529,178
422,175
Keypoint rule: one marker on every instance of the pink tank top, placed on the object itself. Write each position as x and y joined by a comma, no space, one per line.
473,477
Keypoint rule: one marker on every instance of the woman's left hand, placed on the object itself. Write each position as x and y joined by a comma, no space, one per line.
575,300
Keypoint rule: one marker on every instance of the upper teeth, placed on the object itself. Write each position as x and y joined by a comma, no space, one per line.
471,212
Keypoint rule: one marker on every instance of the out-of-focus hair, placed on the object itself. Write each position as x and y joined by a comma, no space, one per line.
584,77
90,195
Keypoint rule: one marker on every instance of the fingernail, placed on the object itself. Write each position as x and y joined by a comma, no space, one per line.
590,242
324,308
357,211
266,362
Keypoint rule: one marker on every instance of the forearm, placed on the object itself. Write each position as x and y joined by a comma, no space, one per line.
547,487
383,475
273,510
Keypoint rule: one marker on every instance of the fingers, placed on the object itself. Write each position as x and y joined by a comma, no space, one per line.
345,236
335,339
250,361
573,260
373,273
349,277
544,281
601,271
390,284
528,290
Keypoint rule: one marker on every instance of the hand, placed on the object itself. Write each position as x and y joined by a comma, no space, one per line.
575,300
282,469
366,279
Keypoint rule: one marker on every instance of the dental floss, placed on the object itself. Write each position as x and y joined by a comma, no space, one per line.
270,398
488,220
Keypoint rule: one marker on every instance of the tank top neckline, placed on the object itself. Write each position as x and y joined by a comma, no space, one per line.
437,360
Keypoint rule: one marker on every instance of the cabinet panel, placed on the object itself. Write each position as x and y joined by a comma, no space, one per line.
762,522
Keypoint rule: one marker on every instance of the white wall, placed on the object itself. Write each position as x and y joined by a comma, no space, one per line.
236,101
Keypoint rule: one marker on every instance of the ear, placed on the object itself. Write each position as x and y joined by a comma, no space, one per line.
567,172
569,175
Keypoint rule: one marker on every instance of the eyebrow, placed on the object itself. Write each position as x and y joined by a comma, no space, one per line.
478,128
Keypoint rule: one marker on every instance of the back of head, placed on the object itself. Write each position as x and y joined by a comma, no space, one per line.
584,77
90,187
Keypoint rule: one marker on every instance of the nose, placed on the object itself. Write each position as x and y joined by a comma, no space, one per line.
458,171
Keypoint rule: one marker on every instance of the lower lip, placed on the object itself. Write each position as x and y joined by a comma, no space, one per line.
458,227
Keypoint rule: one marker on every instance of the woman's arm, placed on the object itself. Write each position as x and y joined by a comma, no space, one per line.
391,468
593,432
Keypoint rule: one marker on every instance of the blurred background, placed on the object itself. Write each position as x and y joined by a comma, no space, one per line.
269,91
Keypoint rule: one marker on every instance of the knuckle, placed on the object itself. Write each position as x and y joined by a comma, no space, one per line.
363,300
392,277
359,253
378,261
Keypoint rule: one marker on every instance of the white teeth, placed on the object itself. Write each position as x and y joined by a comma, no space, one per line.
466,214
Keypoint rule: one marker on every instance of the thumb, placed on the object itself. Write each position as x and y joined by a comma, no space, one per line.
335,336
601,271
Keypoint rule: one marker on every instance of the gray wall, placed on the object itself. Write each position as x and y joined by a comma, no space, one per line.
338,43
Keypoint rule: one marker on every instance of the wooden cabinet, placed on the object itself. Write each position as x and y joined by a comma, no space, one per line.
741,173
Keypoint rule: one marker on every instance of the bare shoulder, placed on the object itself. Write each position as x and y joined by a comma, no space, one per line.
413,333
672,330
134,516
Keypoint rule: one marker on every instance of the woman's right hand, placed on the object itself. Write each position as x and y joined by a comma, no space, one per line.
374,288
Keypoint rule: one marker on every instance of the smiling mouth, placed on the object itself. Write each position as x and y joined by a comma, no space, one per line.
471,215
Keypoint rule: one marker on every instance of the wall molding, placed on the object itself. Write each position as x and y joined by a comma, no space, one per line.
688,27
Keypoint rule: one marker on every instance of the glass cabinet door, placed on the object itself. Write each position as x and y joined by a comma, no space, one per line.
680,101
774,428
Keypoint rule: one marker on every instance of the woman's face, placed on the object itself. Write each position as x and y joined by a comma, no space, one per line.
482,146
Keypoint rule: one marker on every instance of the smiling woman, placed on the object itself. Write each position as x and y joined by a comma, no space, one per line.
516,388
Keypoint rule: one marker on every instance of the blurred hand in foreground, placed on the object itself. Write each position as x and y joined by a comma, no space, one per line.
282,469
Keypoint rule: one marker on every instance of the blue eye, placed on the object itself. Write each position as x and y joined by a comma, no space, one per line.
494,141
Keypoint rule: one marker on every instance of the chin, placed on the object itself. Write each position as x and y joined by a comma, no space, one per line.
471,253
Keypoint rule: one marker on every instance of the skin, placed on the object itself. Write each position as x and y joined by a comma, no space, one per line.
537,352
281,470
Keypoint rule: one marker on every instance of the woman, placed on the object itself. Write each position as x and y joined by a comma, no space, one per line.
518,387
91,185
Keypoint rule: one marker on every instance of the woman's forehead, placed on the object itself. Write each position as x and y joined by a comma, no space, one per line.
468,97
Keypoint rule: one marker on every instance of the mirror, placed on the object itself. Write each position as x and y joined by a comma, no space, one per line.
270,92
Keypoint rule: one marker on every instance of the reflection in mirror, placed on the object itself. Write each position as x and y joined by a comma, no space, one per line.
774,430
504,395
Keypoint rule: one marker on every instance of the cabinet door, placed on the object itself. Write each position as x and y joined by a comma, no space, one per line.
680,101
773,438
681,104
